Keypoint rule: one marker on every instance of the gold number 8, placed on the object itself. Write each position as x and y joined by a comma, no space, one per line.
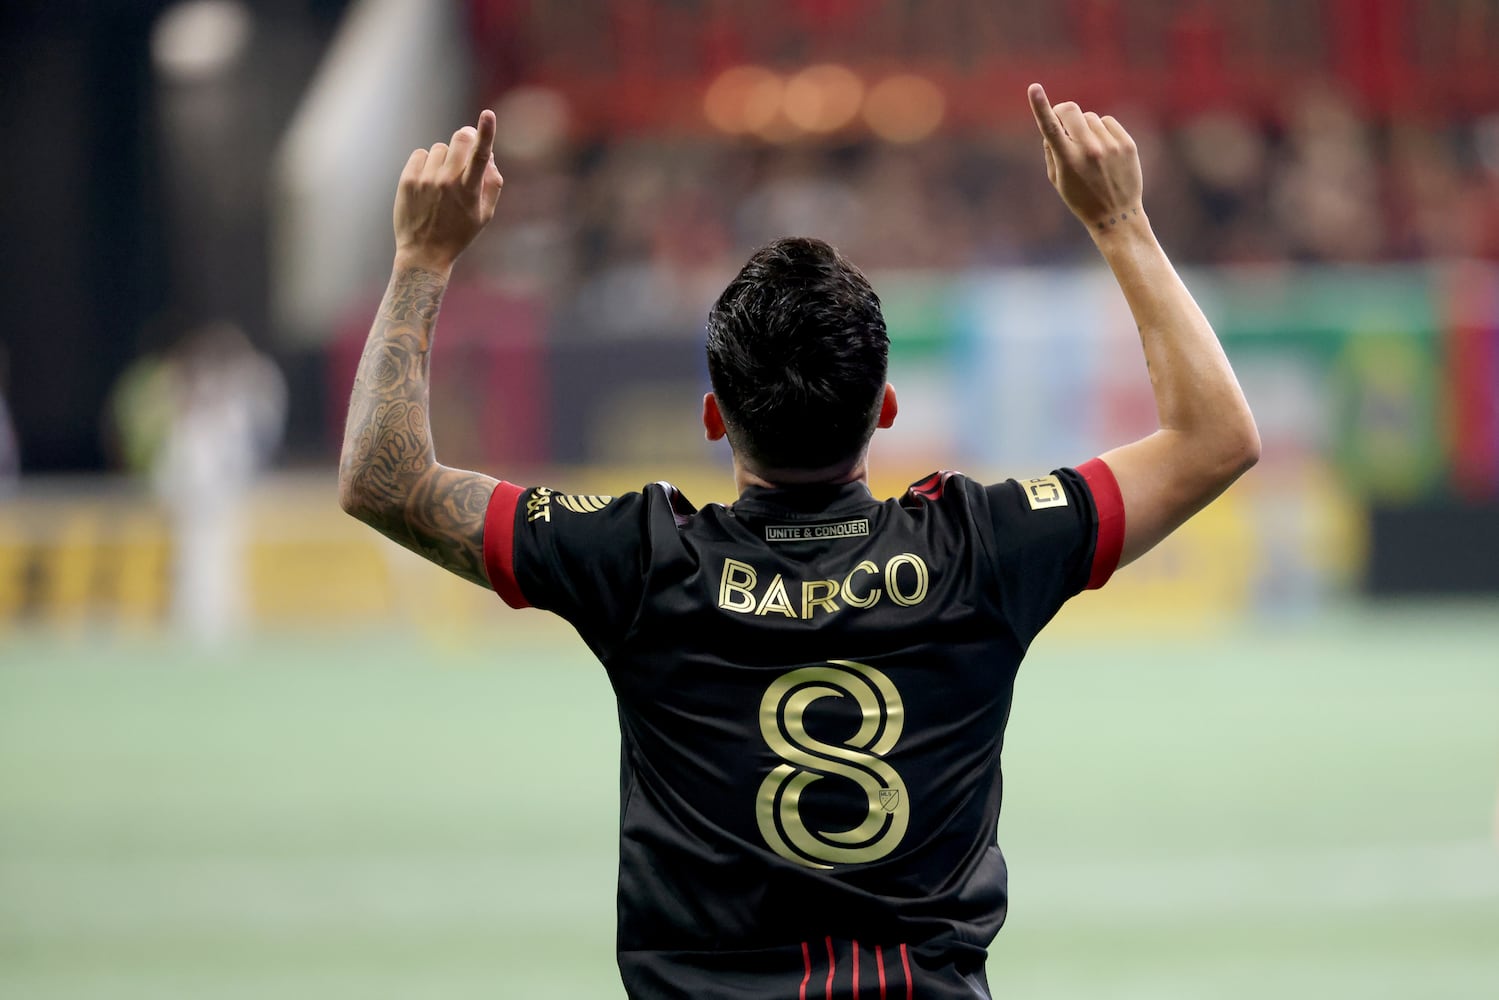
860,760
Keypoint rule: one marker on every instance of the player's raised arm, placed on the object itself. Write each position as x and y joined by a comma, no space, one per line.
1207,437
388,474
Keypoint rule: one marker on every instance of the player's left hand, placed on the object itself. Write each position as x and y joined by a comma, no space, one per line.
1091,161
446,196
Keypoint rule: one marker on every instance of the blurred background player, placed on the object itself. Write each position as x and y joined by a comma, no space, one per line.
228,411
723,630
201,423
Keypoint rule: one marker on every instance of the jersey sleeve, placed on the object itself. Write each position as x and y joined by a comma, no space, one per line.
1055,536
578,555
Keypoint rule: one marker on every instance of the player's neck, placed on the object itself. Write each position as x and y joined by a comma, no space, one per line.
775,479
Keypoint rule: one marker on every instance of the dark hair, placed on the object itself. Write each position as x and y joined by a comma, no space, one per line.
797,353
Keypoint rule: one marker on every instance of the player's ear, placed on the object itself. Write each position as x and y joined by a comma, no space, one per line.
888,407
713,427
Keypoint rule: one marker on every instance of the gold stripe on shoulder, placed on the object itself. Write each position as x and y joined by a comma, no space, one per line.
583,503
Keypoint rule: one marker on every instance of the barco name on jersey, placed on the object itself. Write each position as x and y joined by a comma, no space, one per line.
903,579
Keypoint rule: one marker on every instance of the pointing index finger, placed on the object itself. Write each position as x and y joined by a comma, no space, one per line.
1046,118
484,147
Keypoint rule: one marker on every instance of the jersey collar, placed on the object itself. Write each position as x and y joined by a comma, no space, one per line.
813,498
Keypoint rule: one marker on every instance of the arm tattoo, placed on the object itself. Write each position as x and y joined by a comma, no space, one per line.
389,475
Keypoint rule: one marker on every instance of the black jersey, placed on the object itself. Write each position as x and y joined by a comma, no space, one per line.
813,687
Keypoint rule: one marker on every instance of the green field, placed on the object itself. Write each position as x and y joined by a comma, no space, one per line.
1297,810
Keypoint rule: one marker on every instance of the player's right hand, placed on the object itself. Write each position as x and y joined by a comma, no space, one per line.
1091,161
447,194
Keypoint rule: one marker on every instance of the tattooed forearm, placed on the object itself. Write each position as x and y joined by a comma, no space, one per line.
388,475
388,440
413,297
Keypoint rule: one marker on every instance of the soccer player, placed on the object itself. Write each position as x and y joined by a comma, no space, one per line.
812,684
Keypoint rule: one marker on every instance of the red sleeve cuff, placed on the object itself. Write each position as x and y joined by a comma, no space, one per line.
1109,504
499,543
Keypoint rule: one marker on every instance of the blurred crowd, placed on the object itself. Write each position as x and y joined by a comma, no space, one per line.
636,236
